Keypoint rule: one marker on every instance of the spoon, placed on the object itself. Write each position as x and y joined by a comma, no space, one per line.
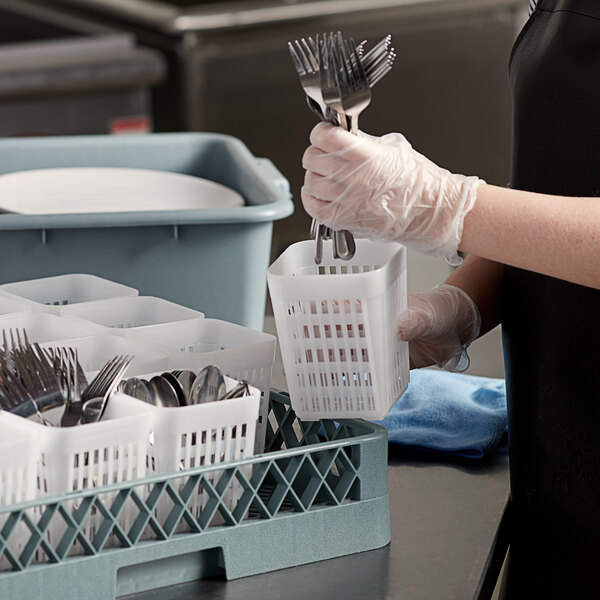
162,392
241,389
208,386
186,379
179,391
137,389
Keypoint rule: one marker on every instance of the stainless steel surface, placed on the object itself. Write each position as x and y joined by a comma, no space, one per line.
169,17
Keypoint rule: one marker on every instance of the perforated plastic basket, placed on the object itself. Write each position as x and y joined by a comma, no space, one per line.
319,491
84,457
336,329
213,433
241,353
19,454
126,313
48,294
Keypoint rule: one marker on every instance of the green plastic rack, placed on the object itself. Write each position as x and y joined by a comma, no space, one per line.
319,491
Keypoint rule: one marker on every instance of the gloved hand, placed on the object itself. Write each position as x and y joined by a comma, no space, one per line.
382,189
439,325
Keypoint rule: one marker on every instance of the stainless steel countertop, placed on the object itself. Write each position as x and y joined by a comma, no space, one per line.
445,515
162,16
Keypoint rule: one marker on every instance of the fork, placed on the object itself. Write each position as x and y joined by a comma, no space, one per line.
108,382
307,69
355,91
15,398
112,371
73,381
38,378
378,61
327,78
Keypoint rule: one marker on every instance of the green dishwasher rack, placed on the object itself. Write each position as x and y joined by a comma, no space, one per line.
319,491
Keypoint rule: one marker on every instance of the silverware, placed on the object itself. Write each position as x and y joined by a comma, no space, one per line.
337,77
176,385
37,376
102,388
162,392
239,390
186,379
208,386
355,91
136,388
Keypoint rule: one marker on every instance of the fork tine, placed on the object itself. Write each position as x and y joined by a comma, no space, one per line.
310,56
296,59
303,57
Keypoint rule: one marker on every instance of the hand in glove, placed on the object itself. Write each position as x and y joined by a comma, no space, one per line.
439,326
382,189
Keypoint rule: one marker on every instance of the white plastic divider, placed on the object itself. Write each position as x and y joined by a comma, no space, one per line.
240,352
132,312
48,294
19,456
336,328
13,306
95,351
43,328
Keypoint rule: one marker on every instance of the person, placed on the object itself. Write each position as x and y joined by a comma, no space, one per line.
532,264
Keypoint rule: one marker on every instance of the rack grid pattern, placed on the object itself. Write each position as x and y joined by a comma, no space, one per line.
308,467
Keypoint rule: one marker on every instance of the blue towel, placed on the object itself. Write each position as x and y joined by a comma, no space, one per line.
449,412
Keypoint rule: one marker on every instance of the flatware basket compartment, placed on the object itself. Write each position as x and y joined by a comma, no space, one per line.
319,491
49,294
336,327
212,260
201,435
130,312
240,352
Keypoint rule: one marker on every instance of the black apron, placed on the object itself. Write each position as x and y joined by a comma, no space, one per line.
551,328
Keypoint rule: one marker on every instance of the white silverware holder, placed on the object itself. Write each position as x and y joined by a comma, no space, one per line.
134,439
336,324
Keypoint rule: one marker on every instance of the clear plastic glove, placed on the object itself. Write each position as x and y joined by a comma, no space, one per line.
382,189
439,325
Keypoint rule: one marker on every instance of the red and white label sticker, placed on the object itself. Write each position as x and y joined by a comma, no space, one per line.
129,125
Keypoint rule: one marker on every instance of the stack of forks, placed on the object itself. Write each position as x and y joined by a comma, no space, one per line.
337,78
49,385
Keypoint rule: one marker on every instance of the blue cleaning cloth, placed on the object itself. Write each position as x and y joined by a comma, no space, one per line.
449,412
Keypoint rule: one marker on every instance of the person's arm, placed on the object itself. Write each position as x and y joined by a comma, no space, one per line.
481,279
383,189
554,235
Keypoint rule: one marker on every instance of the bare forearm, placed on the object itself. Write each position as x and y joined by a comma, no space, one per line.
555,235
481,280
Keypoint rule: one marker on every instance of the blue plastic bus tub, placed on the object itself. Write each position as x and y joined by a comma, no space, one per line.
319,491
211,260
